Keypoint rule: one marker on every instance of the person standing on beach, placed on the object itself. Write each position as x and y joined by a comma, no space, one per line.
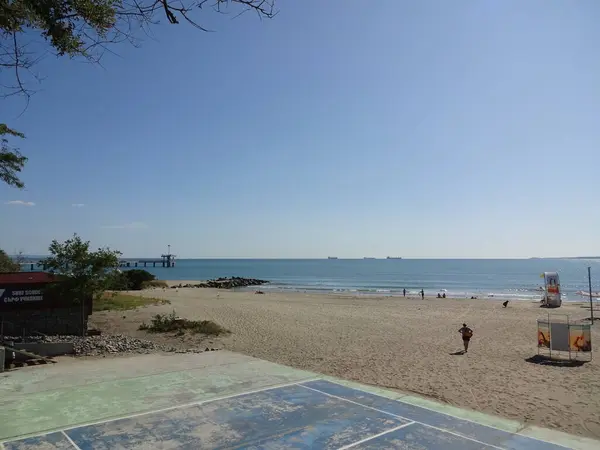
404,292
467,334
422,294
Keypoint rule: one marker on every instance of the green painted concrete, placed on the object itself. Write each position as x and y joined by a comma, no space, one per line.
72,399
40,399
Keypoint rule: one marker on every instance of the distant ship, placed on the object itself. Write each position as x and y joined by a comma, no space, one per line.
368,257
332,257
394,257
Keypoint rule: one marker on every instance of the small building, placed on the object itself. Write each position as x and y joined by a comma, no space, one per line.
29,306
27,278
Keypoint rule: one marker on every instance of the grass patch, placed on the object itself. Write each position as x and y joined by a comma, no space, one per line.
124,302
154,284
165,323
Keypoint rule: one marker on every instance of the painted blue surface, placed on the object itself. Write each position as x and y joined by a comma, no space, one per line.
52,441
425,416
280,418
313,415
419,437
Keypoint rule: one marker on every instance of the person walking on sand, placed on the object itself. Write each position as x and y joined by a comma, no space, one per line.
404,292
467,334
422,294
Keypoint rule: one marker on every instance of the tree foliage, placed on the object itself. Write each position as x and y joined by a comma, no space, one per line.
131,280
7,264
83,28
137,278
87,274
11,161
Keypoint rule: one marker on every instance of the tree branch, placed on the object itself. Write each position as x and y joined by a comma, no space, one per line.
86,28
83,29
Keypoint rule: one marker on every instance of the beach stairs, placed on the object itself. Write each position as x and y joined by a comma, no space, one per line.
23,358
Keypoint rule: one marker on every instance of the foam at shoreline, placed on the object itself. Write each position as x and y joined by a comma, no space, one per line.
380,292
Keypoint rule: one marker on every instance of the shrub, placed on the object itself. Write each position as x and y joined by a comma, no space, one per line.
137,277
118,281
132,280
124,302
165,323
154,284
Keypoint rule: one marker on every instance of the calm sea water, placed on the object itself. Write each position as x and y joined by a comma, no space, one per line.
458,278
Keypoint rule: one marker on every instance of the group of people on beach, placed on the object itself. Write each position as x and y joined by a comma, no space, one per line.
465,331
421,292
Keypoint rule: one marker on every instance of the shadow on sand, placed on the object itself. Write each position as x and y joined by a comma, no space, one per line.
459,352
546,361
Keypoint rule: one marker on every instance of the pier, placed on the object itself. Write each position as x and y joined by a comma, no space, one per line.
166,260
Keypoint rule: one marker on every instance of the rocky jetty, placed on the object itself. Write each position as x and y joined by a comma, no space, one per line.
225,283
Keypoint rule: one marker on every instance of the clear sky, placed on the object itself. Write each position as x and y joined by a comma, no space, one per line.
341,127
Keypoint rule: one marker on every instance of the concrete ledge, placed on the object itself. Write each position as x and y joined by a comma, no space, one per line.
47,348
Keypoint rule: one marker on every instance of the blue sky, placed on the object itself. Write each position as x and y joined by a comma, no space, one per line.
420,129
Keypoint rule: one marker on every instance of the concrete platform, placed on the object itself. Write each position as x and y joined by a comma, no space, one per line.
226,400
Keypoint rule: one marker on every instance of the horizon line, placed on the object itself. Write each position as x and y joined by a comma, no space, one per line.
354,258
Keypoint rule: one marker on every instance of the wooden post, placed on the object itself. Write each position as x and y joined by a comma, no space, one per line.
569,335
591,298
550,335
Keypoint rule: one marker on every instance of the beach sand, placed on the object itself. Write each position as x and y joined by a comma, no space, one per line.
404,344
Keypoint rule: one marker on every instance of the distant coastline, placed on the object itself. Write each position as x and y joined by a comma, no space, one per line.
35,258
566,257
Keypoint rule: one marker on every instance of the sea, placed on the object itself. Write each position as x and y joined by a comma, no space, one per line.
518,279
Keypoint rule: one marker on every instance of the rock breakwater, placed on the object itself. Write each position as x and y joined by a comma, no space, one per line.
225,283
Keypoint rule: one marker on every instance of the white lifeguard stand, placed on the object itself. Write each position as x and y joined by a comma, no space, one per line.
552,292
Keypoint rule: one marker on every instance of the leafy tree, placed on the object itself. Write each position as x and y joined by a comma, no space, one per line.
11,161
83,28
131,280
87,274
7,264
118,282
137,277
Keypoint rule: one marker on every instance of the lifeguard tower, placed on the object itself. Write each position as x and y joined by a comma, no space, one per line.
551,298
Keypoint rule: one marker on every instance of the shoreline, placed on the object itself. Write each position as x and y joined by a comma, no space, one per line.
375,293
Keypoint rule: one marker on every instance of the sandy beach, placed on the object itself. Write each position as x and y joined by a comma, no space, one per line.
405,344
